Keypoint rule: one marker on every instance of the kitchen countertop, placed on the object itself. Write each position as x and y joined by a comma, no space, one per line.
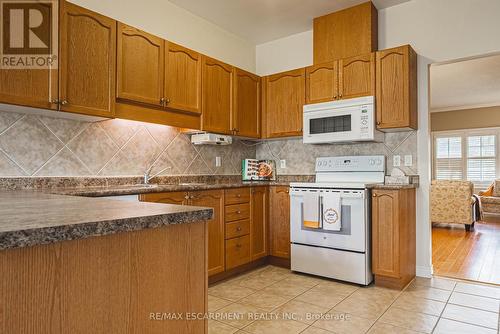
120,190
392,186
29,218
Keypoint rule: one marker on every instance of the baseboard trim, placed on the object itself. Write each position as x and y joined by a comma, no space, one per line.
424,271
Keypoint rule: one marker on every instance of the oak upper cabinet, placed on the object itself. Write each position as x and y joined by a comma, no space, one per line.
247,103
393,237
217,83
213,199
182,78
87,62
345,33
396,76
343,79
258,232
140,66
357,76
322,84
279,221
284,98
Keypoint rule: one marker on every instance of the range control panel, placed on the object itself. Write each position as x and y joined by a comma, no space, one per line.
363,163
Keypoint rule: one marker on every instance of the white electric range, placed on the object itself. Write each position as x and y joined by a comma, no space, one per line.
343,253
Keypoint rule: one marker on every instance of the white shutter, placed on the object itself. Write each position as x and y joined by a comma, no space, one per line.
481,160
448,158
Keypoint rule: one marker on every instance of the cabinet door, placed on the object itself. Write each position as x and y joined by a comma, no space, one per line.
213,199
285,97
87,67
357,76
179,198
140,66
279,221
385,233
217,92
246,112
258,229
322,82
396,77
182,78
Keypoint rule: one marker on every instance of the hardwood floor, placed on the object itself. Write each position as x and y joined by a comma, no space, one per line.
471,255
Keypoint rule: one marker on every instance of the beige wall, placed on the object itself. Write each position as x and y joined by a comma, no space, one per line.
166,20
466,119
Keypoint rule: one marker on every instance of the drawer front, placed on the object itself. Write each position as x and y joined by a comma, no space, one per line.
237,251
237,196
237,229
237,212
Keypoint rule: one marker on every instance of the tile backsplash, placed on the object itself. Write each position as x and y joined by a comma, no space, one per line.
300,158
43,146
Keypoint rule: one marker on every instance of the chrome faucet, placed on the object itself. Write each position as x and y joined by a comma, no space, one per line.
148,177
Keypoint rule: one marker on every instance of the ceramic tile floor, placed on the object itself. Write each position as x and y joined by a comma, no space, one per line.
275,300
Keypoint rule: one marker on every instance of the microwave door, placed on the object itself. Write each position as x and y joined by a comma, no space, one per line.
331,125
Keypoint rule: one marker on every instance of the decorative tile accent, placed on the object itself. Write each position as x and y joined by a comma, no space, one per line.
29,144
300,158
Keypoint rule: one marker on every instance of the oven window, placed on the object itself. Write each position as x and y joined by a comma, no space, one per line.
330,124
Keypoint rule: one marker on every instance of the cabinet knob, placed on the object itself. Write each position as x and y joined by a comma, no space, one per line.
238,212
186,197
167,100
378,122
64,102
238,195
55,101
374,195
335,97
162,101
238,228
340,96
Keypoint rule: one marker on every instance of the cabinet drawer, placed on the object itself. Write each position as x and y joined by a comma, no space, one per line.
237,251
237,229
237,212
237,196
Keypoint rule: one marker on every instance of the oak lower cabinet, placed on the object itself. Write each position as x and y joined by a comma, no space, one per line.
343,79
237,218
217,90
87,62
279,221
393,237
284,97
259,217
209,198
396,82
246,104
213,199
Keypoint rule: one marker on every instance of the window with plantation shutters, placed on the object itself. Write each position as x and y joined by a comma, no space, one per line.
481,159
467,155
448,158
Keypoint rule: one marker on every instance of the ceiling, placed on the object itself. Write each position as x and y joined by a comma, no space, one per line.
465,84
261,21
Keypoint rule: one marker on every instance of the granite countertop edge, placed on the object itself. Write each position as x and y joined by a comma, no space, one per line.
52,234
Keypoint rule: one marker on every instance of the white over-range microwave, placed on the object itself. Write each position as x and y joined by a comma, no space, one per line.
351,120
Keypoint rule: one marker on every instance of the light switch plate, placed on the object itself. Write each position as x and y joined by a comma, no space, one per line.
408,160
282,164
218,161
396,161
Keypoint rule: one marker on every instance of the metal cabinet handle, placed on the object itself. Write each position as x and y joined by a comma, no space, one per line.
55,101
186,197
162,101
167,101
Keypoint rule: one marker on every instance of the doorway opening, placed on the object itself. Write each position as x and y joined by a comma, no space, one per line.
465,147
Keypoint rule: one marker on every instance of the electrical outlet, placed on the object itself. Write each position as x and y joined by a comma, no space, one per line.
218,161
396,160
282,164
408,160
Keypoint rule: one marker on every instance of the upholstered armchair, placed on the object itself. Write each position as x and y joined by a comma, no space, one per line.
490,198
452,202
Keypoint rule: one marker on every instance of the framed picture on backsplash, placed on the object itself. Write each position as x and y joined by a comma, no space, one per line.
258,170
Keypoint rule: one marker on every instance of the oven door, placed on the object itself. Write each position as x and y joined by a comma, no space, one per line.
354,221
